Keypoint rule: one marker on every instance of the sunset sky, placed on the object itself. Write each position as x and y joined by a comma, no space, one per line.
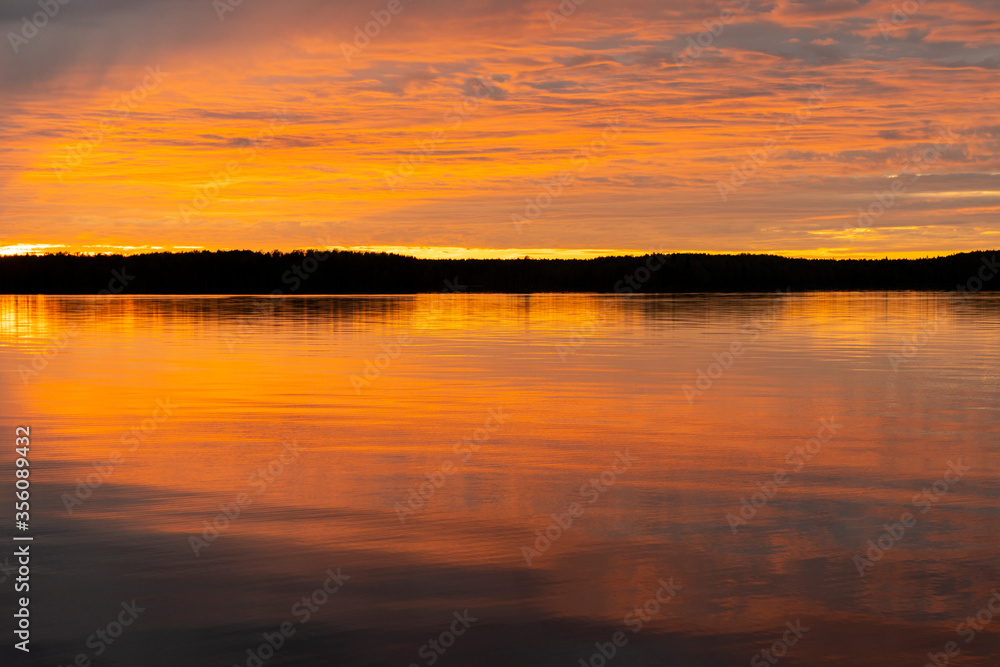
530,129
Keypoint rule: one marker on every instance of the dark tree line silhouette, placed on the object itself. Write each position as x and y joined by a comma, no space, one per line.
337,272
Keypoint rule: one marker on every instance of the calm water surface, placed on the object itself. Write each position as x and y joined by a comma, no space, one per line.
422,444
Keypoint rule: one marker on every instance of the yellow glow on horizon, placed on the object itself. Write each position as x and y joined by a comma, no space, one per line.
455,252
27,249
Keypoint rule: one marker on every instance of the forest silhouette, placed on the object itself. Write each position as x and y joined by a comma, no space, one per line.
343,272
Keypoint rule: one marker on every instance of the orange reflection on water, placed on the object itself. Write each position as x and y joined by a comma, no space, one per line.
576,379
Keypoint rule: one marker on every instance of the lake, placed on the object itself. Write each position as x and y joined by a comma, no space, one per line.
538,480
